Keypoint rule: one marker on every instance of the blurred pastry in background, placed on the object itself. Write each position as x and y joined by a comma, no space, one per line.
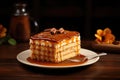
5,37
3,31
104,36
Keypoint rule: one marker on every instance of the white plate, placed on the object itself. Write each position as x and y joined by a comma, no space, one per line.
22,57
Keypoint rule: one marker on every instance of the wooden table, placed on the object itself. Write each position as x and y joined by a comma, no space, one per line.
108,67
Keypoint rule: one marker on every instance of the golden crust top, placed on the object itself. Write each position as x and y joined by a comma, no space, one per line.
56,37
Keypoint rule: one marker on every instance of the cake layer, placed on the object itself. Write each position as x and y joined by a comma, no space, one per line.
51,59
53,53
61,56
53,50
62,53
37,42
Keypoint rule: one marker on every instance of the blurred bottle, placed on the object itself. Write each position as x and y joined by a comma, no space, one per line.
20,26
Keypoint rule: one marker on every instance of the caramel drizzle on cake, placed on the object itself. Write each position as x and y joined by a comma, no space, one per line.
55,35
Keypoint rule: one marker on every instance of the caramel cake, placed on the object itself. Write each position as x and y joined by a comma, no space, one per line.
55,45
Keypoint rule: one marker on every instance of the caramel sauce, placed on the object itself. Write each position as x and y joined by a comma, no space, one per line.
55,37
63,63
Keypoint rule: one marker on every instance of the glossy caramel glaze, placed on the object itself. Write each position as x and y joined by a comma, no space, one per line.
46,35
63,63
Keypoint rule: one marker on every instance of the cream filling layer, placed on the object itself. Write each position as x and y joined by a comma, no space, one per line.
74,39
40,49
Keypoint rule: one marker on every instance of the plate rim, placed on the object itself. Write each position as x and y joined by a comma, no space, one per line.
23,55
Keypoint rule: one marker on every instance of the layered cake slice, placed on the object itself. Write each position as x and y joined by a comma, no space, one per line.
55,45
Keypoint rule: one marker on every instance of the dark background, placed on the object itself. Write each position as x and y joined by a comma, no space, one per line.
85,16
